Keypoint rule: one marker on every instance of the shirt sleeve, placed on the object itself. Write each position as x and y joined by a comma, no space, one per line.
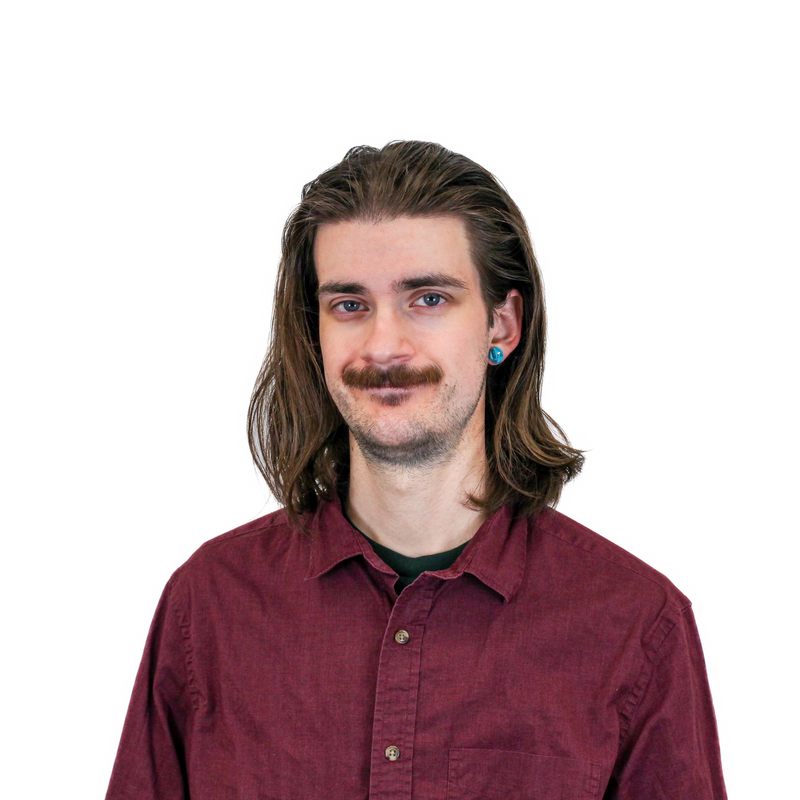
150,762
669,748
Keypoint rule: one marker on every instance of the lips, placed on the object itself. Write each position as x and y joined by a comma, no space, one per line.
390,391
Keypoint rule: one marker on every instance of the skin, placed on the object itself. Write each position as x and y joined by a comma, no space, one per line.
416,452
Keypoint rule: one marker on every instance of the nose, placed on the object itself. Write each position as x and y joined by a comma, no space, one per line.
386,338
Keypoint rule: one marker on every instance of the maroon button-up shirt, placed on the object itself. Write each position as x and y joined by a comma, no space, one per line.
546,662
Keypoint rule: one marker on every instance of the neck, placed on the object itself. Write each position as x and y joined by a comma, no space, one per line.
417,511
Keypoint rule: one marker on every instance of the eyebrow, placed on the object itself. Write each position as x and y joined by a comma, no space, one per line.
403,285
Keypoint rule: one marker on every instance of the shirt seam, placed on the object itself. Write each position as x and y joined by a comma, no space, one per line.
181,615
183,622
652,651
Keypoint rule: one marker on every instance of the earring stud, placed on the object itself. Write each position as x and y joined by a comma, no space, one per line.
495,355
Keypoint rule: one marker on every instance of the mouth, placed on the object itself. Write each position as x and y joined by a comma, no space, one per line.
391,392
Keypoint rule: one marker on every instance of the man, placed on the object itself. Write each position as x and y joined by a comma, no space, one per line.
417,620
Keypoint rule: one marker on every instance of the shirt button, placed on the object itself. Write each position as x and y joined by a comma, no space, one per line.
401,637
392,752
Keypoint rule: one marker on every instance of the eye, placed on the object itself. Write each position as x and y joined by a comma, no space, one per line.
429,295
347,302
348,306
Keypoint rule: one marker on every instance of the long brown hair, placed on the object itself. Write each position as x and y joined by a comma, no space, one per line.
298,438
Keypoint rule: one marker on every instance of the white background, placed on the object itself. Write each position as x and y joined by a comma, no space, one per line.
150,155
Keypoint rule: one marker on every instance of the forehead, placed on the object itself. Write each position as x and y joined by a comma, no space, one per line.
384,251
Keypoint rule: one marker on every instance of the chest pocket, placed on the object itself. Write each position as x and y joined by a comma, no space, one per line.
481,774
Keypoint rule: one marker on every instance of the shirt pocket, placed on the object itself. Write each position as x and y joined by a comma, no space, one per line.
481,774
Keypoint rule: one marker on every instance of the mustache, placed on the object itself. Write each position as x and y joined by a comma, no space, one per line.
396,377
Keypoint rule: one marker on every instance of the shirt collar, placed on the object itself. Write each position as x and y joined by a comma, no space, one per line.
495,555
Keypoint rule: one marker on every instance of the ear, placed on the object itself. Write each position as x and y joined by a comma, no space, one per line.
506,330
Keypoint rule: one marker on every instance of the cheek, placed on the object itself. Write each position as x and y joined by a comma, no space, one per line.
463,355
327,340
471,349
468,368
328,359
333,341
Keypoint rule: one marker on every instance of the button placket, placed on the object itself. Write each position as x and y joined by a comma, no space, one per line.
396,695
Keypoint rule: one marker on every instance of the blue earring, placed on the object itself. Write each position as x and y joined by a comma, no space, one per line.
495,355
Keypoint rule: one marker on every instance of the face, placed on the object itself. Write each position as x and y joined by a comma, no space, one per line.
404,335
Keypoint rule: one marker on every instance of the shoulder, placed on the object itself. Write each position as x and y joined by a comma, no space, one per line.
249,546
609,575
